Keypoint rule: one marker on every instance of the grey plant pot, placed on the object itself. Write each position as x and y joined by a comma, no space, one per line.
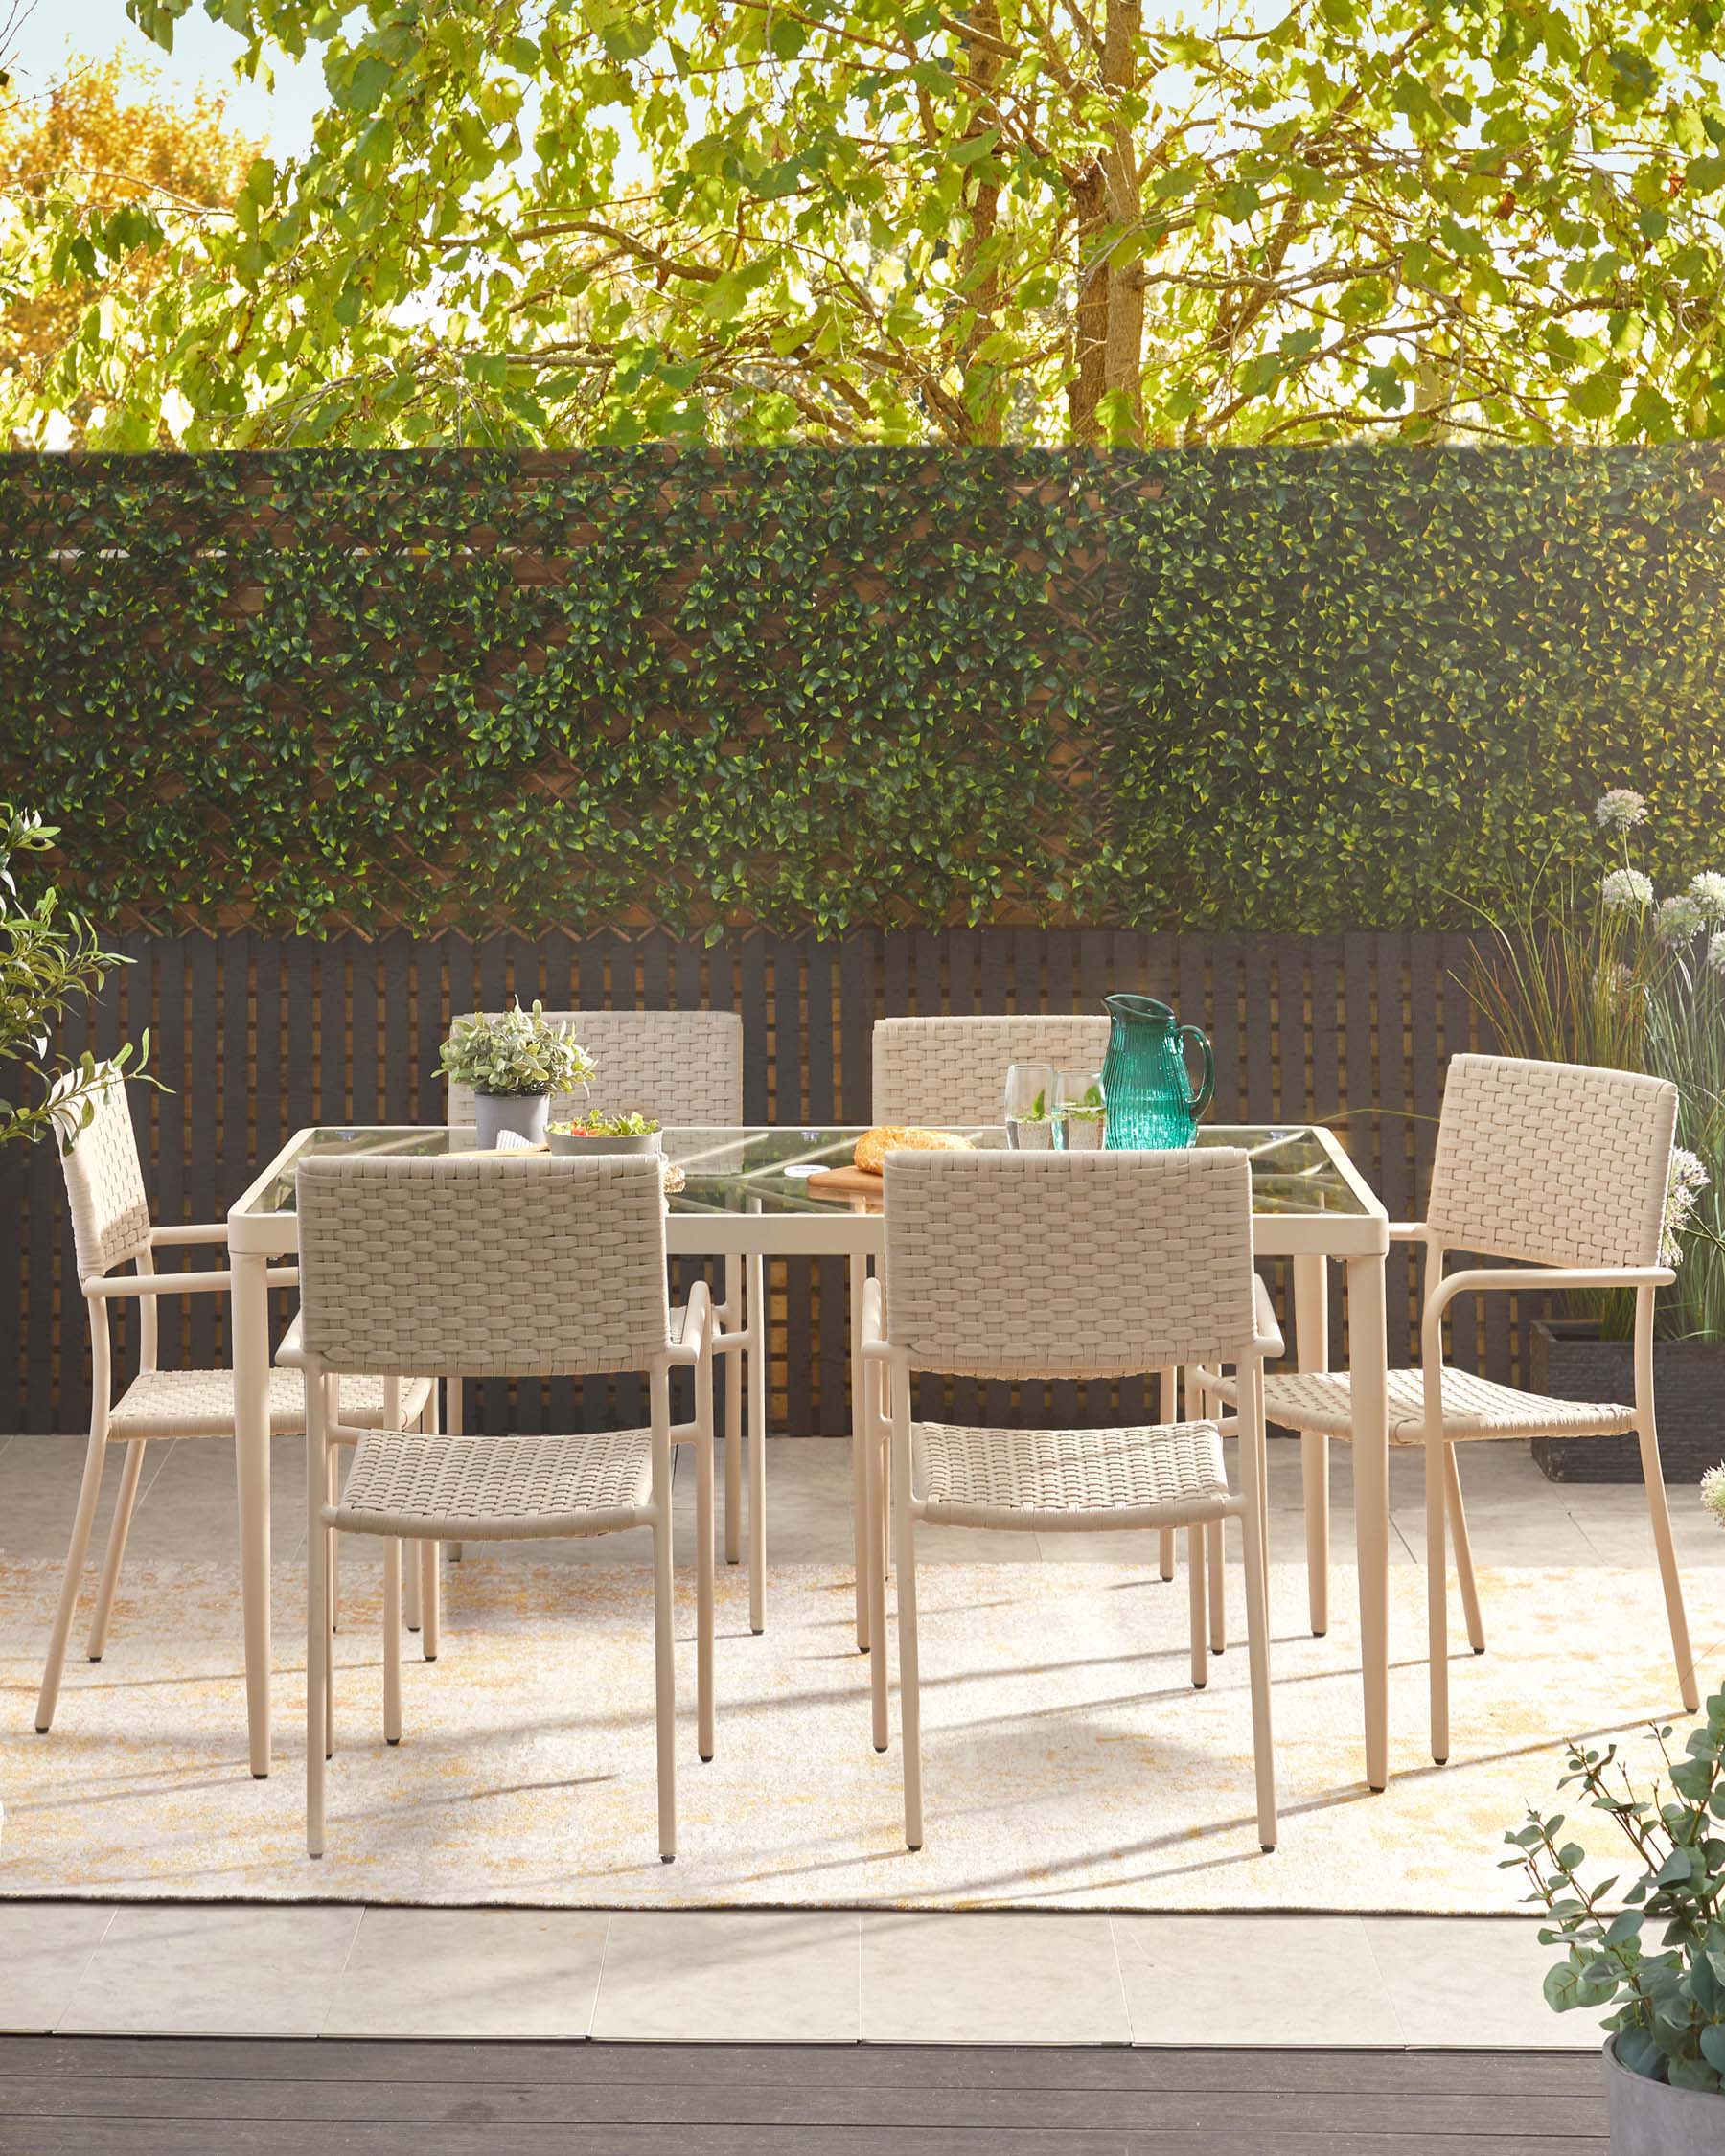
1653,2118
1570,1361
526,1114
585,1147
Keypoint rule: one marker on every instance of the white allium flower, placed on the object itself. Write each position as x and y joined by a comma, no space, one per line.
1713,1492
1707,890
1715,953
1621,809
1679,919
1684,1182
1626,887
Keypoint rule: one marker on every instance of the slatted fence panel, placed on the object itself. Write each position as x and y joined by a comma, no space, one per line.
253,1039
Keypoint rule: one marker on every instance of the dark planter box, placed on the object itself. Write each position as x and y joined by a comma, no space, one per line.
1570,1362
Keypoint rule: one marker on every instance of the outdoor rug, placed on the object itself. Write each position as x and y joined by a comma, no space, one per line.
1069,1762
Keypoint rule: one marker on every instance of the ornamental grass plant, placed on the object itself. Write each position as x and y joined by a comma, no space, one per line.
1610,973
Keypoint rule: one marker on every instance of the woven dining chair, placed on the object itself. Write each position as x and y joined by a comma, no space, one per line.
950,1072
499,1266
111,1228
685,1070
1017,1266
1562,1169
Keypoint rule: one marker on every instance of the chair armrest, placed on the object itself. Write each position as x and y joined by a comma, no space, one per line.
1408,1231
292,1354
874,1320
189,1231
116,1286
698,1320
112,1287
1269,1342
1518,1278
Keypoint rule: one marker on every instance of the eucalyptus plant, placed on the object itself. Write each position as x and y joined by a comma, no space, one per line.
1656,1953
50,960
514,1052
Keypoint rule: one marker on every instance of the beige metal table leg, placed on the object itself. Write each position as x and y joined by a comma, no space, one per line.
1368,1360
1311,1352
251,1331
859,1516
757,1447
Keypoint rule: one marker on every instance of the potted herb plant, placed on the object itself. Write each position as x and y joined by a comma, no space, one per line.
1655,1952
633,1132
1610,973
515,1061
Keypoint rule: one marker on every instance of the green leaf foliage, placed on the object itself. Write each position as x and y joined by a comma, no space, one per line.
1300,690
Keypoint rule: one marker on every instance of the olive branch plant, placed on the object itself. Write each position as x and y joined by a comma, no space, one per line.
51,958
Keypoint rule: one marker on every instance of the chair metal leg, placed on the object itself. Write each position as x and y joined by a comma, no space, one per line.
318,1633
1464,1565
909,1664
665,1689
412,1581
83,1519
1168,1410
431,1600
1258,1605
332,1479
1659,1512
1437,1598
741,1315
392,1640
1218,1590
118,1529
704,1556
872,1437
1195,1552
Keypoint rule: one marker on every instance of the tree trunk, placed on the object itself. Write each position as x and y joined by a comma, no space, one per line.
1089,326
982,65
1123,353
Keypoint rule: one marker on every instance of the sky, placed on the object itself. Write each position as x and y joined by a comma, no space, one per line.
51,32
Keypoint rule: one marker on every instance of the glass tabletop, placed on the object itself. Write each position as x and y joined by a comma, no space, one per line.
777,1170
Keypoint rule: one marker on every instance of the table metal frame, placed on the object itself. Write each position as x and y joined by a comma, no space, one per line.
1358,1241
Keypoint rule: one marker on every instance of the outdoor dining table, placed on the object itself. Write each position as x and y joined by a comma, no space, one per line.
747,1193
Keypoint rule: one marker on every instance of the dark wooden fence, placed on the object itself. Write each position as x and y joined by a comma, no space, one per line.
255,1037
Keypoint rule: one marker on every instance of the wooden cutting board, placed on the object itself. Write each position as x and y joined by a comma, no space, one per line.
846,1183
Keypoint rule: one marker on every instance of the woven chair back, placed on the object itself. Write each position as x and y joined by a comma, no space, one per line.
486,1267
950,1072
1555,1162
1029,1265
683,1067
104,1180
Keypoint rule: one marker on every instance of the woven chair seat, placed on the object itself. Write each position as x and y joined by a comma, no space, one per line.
1152,1475
1473,1406
497,1489
200,1404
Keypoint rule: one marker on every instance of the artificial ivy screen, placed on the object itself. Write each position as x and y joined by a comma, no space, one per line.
1298,690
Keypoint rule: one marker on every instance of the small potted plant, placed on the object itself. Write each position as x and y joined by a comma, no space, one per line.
633,1132
1655,1952
514,1061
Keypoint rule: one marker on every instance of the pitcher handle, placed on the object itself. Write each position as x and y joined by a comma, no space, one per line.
1200,1099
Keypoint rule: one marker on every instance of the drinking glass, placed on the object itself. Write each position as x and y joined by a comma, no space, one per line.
1030,1106
1079,1112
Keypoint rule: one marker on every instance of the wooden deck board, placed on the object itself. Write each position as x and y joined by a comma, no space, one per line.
90,2097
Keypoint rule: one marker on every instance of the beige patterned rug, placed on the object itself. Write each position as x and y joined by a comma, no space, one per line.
1070,1764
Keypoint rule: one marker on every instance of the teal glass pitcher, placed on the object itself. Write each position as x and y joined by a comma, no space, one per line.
1145,1078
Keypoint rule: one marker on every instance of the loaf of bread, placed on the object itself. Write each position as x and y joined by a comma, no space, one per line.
873,1146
